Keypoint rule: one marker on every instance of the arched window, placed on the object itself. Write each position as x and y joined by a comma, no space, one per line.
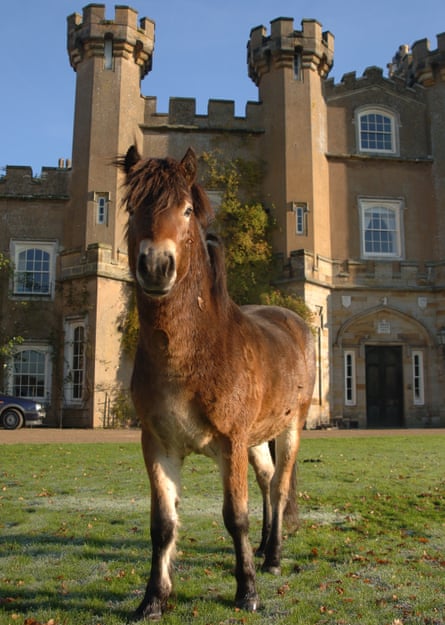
102,200
78,361
30,373
33,275
381,231
75,345
376,131
34,268
108,52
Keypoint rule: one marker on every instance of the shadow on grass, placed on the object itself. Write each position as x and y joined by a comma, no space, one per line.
55,585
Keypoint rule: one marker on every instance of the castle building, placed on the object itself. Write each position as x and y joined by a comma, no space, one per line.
355,175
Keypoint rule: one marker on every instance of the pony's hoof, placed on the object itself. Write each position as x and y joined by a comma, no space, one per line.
148,612
273,570
248,604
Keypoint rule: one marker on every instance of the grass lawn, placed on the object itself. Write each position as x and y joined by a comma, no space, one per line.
74,537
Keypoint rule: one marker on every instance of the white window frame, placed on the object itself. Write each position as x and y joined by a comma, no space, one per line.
72,396
45,351
383,115
350,379
102,200
17,248
300,210
394,210
418,378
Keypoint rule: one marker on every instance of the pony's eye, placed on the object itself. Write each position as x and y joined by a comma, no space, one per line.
188,210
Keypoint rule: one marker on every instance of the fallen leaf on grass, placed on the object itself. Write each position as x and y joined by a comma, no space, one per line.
325,610
44,493
282,590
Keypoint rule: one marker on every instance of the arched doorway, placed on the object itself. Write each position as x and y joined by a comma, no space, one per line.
383,355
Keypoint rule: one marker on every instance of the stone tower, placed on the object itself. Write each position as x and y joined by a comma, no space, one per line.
110,57
289,67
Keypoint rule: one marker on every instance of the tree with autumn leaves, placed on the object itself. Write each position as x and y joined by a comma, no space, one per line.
245,228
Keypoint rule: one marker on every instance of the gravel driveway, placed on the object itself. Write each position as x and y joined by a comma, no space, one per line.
55,435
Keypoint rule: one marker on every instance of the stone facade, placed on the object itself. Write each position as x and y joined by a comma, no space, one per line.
355,176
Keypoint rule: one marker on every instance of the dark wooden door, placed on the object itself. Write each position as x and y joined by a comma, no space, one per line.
384,386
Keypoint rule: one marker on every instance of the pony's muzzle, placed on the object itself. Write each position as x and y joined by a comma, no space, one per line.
156,267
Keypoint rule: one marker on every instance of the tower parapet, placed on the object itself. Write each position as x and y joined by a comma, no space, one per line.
428,66
420,65
19,183
88,34
308,48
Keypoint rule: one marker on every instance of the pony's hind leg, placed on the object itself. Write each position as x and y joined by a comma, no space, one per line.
233,461
287,444
261,460
164,474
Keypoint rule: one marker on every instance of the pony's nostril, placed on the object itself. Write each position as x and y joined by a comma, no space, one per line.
143,264
169,268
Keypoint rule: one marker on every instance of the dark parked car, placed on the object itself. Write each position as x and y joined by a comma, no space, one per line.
18,411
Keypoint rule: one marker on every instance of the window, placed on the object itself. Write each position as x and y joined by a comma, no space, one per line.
376,131
300,211
30,375
349,370
75,334
418,383
101,200
381,231
108,52
34,268
298,74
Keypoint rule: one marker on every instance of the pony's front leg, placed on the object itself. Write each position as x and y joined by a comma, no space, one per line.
164,473
234,467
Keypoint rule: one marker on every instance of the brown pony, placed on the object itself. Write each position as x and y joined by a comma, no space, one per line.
209,377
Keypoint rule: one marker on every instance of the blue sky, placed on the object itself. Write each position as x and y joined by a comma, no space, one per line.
200,52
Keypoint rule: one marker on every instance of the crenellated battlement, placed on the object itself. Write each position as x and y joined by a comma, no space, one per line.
87,35
428,66
420,64
19,183
372,76
312,48
220,116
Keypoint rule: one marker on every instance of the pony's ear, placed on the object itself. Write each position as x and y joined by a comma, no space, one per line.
189,165
131,158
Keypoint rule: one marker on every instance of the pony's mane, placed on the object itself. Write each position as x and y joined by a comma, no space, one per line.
215,250
155,182
160,183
